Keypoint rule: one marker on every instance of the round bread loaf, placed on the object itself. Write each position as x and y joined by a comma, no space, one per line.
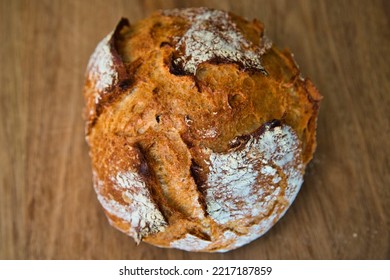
199,129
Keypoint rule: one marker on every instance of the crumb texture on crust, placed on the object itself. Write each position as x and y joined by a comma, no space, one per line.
192,145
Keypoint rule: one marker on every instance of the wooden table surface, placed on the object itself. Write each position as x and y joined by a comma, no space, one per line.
48,208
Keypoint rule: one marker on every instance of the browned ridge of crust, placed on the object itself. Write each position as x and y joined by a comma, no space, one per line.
159,116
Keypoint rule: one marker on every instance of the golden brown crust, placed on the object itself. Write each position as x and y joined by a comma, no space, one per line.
163,116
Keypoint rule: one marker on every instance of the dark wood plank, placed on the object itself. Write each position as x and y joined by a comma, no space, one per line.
48,209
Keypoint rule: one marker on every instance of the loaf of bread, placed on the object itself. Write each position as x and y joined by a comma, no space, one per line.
199,129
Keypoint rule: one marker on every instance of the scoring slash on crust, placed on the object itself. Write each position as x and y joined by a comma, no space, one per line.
252,185
126,193
105,72
140,211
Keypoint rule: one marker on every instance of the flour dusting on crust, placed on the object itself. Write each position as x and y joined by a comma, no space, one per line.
190,243
100,69
253,233
214,35
139,211
245,183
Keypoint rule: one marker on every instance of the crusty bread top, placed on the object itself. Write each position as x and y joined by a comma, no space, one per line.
213,36
198,127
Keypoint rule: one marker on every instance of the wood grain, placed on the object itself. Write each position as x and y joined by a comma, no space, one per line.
48,209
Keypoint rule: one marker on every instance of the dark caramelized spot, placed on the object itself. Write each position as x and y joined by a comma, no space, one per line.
274,123
216,60
125,84
240,141
200,234
187,140
267,126
175,68
188,120
199,176
197,173
163,44
271,125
